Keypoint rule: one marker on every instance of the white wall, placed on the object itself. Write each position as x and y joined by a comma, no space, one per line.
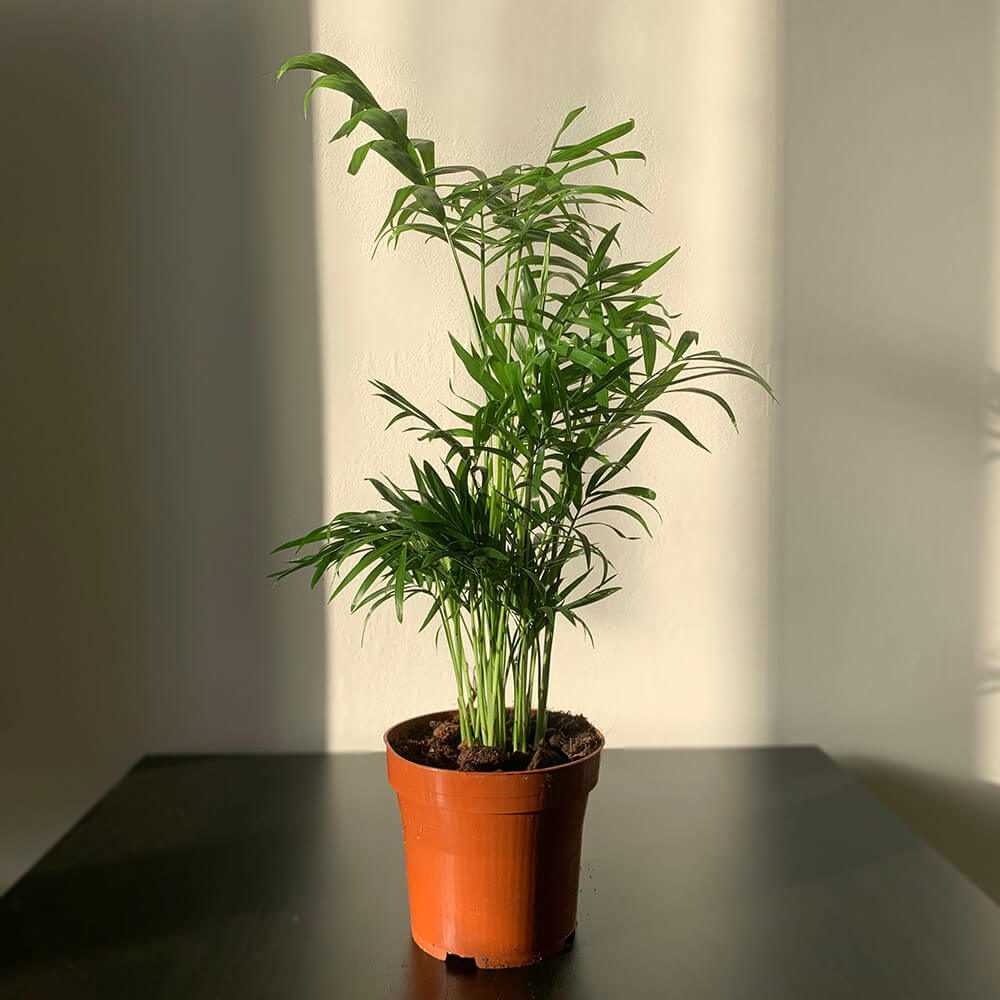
682,654
194,315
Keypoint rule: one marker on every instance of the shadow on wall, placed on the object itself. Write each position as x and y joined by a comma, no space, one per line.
888,231
161,397
959,818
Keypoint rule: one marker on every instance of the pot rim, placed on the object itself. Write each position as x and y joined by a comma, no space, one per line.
480,774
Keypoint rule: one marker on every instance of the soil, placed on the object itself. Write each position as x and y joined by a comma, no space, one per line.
437,743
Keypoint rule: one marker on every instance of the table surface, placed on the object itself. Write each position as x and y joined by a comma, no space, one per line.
763,873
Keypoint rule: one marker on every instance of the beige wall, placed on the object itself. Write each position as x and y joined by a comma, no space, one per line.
682,654
194,315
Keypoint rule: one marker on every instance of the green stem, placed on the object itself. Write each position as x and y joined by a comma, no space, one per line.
482,260
461,276
543,684
450,618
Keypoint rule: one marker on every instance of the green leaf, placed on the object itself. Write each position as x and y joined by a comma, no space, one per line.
612,158
425,149
589,361
474,366
637,278
364,561
321,63
383,122
611,236
713,396
607,472
427,198
342,82
634,449
435,608
643,493
677,424
401,159
688,337
616,194
648,339
398,200
358,157
366,585
568,120
622,509
401,119
400,580
565,153
593,597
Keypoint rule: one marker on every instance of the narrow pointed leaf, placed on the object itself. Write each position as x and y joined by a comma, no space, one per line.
589,145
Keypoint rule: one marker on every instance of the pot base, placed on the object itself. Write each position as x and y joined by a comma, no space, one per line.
513,960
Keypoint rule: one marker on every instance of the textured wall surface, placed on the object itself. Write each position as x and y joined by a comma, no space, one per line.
888,208
159,407
193,317
886,556
682,652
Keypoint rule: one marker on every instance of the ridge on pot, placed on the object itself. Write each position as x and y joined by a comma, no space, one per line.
492,858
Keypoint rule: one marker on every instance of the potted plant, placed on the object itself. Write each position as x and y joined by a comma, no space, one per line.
569,361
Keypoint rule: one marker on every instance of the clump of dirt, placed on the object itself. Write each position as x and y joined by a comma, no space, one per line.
574,736
439,747
447,732
437,743
473,758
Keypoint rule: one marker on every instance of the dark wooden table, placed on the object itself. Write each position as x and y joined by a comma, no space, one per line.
706,873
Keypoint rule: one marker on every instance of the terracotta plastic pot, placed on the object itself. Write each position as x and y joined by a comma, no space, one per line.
492,859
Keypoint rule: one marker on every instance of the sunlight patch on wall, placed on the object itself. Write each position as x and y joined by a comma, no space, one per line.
682,656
